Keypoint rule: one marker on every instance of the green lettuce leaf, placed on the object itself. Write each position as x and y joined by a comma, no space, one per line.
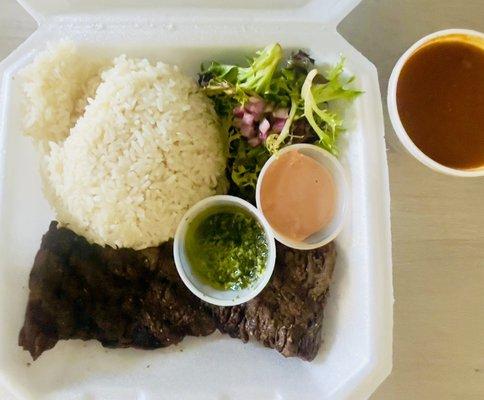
335,88
327,125
257,76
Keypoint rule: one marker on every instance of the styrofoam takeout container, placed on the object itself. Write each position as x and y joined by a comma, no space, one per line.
357,350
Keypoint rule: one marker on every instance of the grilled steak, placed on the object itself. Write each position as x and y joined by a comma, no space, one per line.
288,314
120,297
123,298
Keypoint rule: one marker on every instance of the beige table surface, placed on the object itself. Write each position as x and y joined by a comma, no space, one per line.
437,221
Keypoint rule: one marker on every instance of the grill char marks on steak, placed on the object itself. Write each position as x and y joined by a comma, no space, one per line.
127,298
120,297
288,314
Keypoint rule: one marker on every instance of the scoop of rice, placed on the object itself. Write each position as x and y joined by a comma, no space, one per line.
147,147
56,87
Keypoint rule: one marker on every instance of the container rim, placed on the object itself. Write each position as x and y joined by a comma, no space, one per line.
326,12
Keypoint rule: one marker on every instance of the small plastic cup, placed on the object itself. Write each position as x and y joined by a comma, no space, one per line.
203,290
393,109
331,163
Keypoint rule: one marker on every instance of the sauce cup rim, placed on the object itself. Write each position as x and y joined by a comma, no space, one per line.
395,117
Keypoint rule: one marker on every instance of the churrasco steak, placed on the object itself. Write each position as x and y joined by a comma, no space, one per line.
128,298
288,314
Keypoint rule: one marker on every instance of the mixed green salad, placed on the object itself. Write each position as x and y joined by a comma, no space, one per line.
269,104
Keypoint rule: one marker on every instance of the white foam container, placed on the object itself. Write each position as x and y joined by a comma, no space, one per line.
357,351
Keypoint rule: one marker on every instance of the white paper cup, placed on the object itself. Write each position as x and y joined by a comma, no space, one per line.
331,163
197,286
393,110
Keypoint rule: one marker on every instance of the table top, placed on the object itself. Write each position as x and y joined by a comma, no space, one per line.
438,246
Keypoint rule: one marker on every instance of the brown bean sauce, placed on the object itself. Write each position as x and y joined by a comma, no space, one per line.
440,100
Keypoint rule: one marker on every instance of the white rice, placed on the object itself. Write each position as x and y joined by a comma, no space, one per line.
147,148
56,87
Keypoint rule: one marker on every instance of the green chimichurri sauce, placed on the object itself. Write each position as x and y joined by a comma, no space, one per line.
226,247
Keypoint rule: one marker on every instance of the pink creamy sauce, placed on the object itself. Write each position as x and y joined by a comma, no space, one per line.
297,196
